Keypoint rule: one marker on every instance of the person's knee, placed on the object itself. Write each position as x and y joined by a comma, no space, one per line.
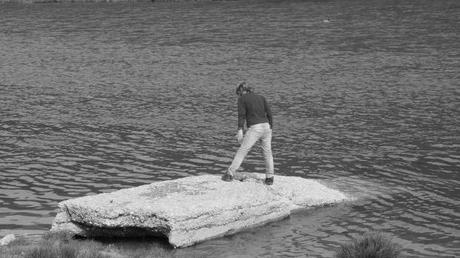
266,149
244,148
242,151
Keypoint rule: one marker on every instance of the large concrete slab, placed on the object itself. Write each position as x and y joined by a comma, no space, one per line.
191,209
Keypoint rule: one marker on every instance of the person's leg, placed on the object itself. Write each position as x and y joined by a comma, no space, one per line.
267,150
249,139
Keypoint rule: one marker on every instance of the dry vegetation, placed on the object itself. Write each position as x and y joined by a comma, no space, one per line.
371,245
64,246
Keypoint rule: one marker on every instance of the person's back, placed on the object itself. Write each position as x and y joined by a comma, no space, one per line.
253,109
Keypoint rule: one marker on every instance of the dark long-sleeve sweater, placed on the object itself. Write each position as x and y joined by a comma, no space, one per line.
253,109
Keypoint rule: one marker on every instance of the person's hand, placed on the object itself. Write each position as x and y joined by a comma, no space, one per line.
239,136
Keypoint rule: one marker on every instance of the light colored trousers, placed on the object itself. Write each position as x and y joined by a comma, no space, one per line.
254,133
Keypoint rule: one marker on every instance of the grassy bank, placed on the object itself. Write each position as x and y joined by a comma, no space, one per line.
64,246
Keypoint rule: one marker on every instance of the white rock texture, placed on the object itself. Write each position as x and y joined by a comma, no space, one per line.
191,209
7,239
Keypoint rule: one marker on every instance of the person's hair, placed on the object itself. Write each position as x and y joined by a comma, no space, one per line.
242,87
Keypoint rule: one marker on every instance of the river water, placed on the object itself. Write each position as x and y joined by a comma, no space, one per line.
365,95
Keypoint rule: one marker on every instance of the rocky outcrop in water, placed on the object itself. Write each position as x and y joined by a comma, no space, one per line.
190,209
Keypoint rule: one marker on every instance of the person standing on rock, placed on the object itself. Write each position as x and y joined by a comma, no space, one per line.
253,110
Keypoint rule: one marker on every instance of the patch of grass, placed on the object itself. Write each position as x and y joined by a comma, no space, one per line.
371,245
63,245
15,248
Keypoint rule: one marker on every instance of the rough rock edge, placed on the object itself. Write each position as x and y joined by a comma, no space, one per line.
180,233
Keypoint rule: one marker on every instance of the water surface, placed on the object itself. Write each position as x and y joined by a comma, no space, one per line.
99,97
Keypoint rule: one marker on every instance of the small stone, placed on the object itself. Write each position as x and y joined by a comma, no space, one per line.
7,239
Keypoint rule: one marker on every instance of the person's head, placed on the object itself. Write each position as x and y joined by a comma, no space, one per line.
243,88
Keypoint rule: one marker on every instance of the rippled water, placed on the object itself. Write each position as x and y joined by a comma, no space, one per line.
366,98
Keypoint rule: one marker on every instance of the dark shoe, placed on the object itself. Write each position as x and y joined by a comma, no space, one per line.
227,177
269,180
